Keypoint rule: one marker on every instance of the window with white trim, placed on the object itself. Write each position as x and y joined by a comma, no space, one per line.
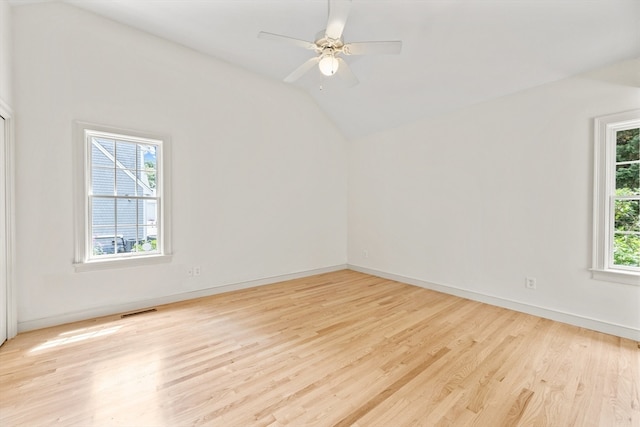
616,252
124,197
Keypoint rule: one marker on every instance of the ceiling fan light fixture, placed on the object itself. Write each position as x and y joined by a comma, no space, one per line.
328,65
329,46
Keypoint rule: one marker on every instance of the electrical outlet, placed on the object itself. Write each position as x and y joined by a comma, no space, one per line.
190,272
365,253
530,282
196,270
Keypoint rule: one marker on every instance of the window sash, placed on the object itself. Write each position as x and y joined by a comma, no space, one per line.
90,136
605,163
612,232
91,234
118,166
607,129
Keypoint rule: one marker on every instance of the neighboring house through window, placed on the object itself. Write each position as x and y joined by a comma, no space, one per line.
124,197
616,252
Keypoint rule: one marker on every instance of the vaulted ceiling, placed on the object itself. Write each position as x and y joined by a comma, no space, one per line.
455,52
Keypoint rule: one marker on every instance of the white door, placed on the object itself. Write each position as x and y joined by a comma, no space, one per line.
3,235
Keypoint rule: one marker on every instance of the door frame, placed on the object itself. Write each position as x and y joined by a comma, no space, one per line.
12,313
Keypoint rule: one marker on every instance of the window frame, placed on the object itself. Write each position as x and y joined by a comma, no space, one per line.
605,132
83,261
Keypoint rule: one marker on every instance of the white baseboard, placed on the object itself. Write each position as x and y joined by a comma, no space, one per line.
569,318
142,304
559,316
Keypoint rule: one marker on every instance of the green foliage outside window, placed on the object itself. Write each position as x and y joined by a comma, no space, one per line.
147,246
151,173
626,240
626,250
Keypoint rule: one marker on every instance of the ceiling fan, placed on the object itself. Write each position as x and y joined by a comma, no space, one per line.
329,46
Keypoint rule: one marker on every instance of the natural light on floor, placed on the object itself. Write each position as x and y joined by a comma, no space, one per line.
69,337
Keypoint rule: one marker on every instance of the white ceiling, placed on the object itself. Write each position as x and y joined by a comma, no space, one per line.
455,52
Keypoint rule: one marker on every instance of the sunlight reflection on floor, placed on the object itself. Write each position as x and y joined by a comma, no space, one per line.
134,378
66,338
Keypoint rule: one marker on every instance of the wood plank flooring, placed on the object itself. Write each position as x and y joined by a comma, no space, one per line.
338,349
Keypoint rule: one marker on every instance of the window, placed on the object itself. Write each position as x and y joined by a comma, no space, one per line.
616,253
123,197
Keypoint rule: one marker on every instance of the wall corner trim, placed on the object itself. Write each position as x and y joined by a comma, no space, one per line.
10,231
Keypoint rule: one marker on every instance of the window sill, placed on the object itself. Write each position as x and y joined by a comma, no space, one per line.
618,276
121,263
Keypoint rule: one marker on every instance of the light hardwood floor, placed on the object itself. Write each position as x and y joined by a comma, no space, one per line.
340,349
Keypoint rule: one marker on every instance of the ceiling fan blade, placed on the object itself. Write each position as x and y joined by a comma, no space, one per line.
301,70
290,40
372,48
345,73
338,14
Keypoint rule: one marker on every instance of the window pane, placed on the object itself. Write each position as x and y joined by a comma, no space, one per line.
147,158
103,226
150,232
104,230
102,212
627,215
108,244
125,183
126,155
626,250
102,152
103,241
149,243
127,213
628,145
146,183
628,178
149,219
149,212
141,219
103,181
128,238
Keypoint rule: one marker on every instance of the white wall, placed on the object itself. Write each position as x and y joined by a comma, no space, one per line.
475,200
478,199
5,53
259,174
